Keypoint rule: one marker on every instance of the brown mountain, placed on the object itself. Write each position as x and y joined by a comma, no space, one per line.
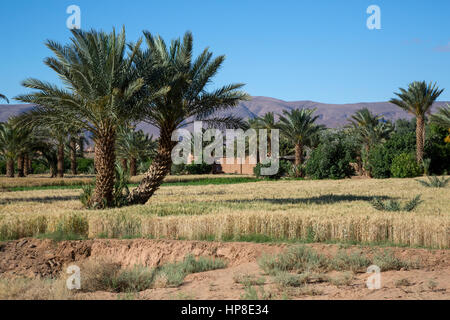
331,115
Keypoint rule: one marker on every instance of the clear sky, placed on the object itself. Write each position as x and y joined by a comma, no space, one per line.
316,50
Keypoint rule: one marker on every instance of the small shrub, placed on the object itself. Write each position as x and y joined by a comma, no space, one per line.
344,279
199,168
285,168
178,169
388,261
249,280
298,258
253,294
405,166
393,205
286,279
435,182
402,283
355,262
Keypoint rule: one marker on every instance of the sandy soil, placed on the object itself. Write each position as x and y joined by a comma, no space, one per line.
44,258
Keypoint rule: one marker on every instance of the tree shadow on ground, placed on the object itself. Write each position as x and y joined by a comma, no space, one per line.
323,199
48,199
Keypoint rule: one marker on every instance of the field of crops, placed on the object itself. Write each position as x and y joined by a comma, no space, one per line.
292,210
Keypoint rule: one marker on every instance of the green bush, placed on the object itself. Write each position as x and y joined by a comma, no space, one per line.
284,169
382,155
85,165
178,169
39,168
437,150
405,165
199,168
330,160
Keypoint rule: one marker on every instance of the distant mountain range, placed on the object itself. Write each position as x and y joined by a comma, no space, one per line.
331,115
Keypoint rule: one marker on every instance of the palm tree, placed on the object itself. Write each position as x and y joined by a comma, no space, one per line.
442,118
369,130
134,145
3,97
100,81
13,144
418,100
183,82
299,127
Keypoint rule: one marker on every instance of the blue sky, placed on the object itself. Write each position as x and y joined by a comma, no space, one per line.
289,49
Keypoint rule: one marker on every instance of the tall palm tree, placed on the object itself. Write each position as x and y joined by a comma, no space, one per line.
299,127
134,145
100,80
418,100
442,118
369,130
183,81
3,97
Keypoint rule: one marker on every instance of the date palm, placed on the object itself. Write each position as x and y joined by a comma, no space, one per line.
418,100
299,127
134,145
183,81
368,129
100,80
3,97
13,144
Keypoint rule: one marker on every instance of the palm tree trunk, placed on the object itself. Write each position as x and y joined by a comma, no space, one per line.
298,159
420,138
10,168
60,160
298,154
105,159
73,156
20,165
124,163
158,170
133,167
25,165
29,165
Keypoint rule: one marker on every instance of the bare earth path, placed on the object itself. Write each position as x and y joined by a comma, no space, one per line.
44,258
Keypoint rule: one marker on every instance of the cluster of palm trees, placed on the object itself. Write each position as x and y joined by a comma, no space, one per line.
110,84
298,129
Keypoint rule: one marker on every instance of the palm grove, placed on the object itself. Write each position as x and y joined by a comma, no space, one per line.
111,85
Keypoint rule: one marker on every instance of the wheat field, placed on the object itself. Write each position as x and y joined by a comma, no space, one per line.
316,211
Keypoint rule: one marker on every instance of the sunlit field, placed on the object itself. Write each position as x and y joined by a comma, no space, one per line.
294,210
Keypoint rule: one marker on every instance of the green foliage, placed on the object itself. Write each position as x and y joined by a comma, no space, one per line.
285,169
202,168
330,160
85,165
393,205
178,169
435,182
405,165
382,155
437,149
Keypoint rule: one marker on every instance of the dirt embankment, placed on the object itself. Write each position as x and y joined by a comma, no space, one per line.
45,258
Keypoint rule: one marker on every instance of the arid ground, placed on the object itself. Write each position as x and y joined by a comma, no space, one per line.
316,240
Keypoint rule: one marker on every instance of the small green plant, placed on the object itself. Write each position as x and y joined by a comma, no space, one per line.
355,261
344,279
249,280
387,261
435,182
86,194
298,258
253,294
394,205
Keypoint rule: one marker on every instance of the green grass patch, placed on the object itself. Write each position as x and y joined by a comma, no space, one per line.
194,182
